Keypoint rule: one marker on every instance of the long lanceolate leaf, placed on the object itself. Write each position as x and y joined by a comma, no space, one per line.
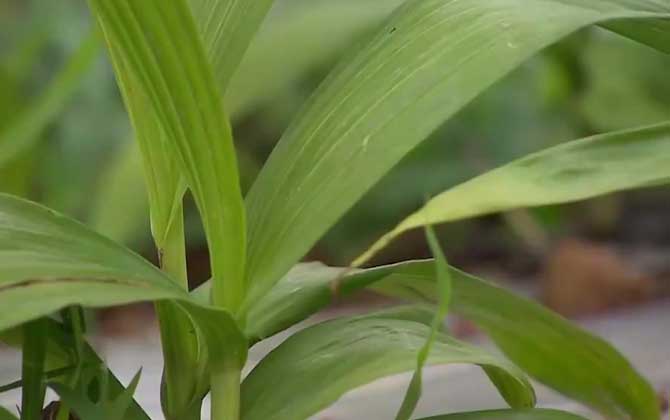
161,46
431,59
314,367
573,171
548,347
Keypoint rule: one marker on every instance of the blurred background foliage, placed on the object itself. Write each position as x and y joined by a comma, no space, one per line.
65,139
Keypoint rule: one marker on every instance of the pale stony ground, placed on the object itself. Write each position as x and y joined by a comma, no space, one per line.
640,333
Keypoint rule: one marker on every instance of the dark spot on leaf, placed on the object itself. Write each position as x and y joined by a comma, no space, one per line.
393,29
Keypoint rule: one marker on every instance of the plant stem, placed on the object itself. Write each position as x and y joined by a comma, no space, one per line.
179,347
226,390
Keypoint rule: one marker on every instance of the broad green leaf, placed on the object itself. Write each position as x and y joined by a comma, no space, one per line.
24,132
6,415
48,262
430,59
162,49
318,29
569,172
314,367
227,28
548,347
533,414
443,280
32,370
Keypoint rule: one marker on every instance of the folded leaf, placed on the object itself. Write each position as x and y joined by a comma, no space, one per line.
537,414
162,49
548,347
569,172
430,59
314,367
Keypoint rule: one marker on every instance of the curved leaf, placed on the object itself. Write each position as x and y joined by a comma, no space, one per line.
548,347
317,365
161,47
569,172
48,261
537,414
430,59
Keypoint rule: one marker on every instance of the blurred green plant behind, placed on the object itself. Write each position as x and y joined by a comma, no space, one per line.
65,140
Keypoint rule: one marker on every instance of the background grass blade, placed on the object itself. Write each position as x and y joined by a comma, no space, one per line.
162,48
510,415
430,59
22,133
443,280
228,27
573,171
314,367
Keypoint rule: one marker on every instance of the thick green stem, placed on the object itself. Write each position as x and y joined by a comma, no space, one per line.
226,390
180,350
34,353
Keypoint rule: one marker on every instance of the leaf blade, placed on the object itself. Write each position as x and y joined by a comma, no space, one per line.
569,172
537,414
162,48
382,346
431,58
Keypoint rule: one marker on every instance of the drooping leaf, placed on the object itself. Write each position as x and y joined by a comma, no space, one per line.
443,280
48,262
227,28
23,132
569,172
548,347
162,49
430,59
317,365
537,414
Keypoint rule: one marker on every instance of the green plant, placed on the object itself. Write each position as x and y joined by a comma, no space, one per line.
428,60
